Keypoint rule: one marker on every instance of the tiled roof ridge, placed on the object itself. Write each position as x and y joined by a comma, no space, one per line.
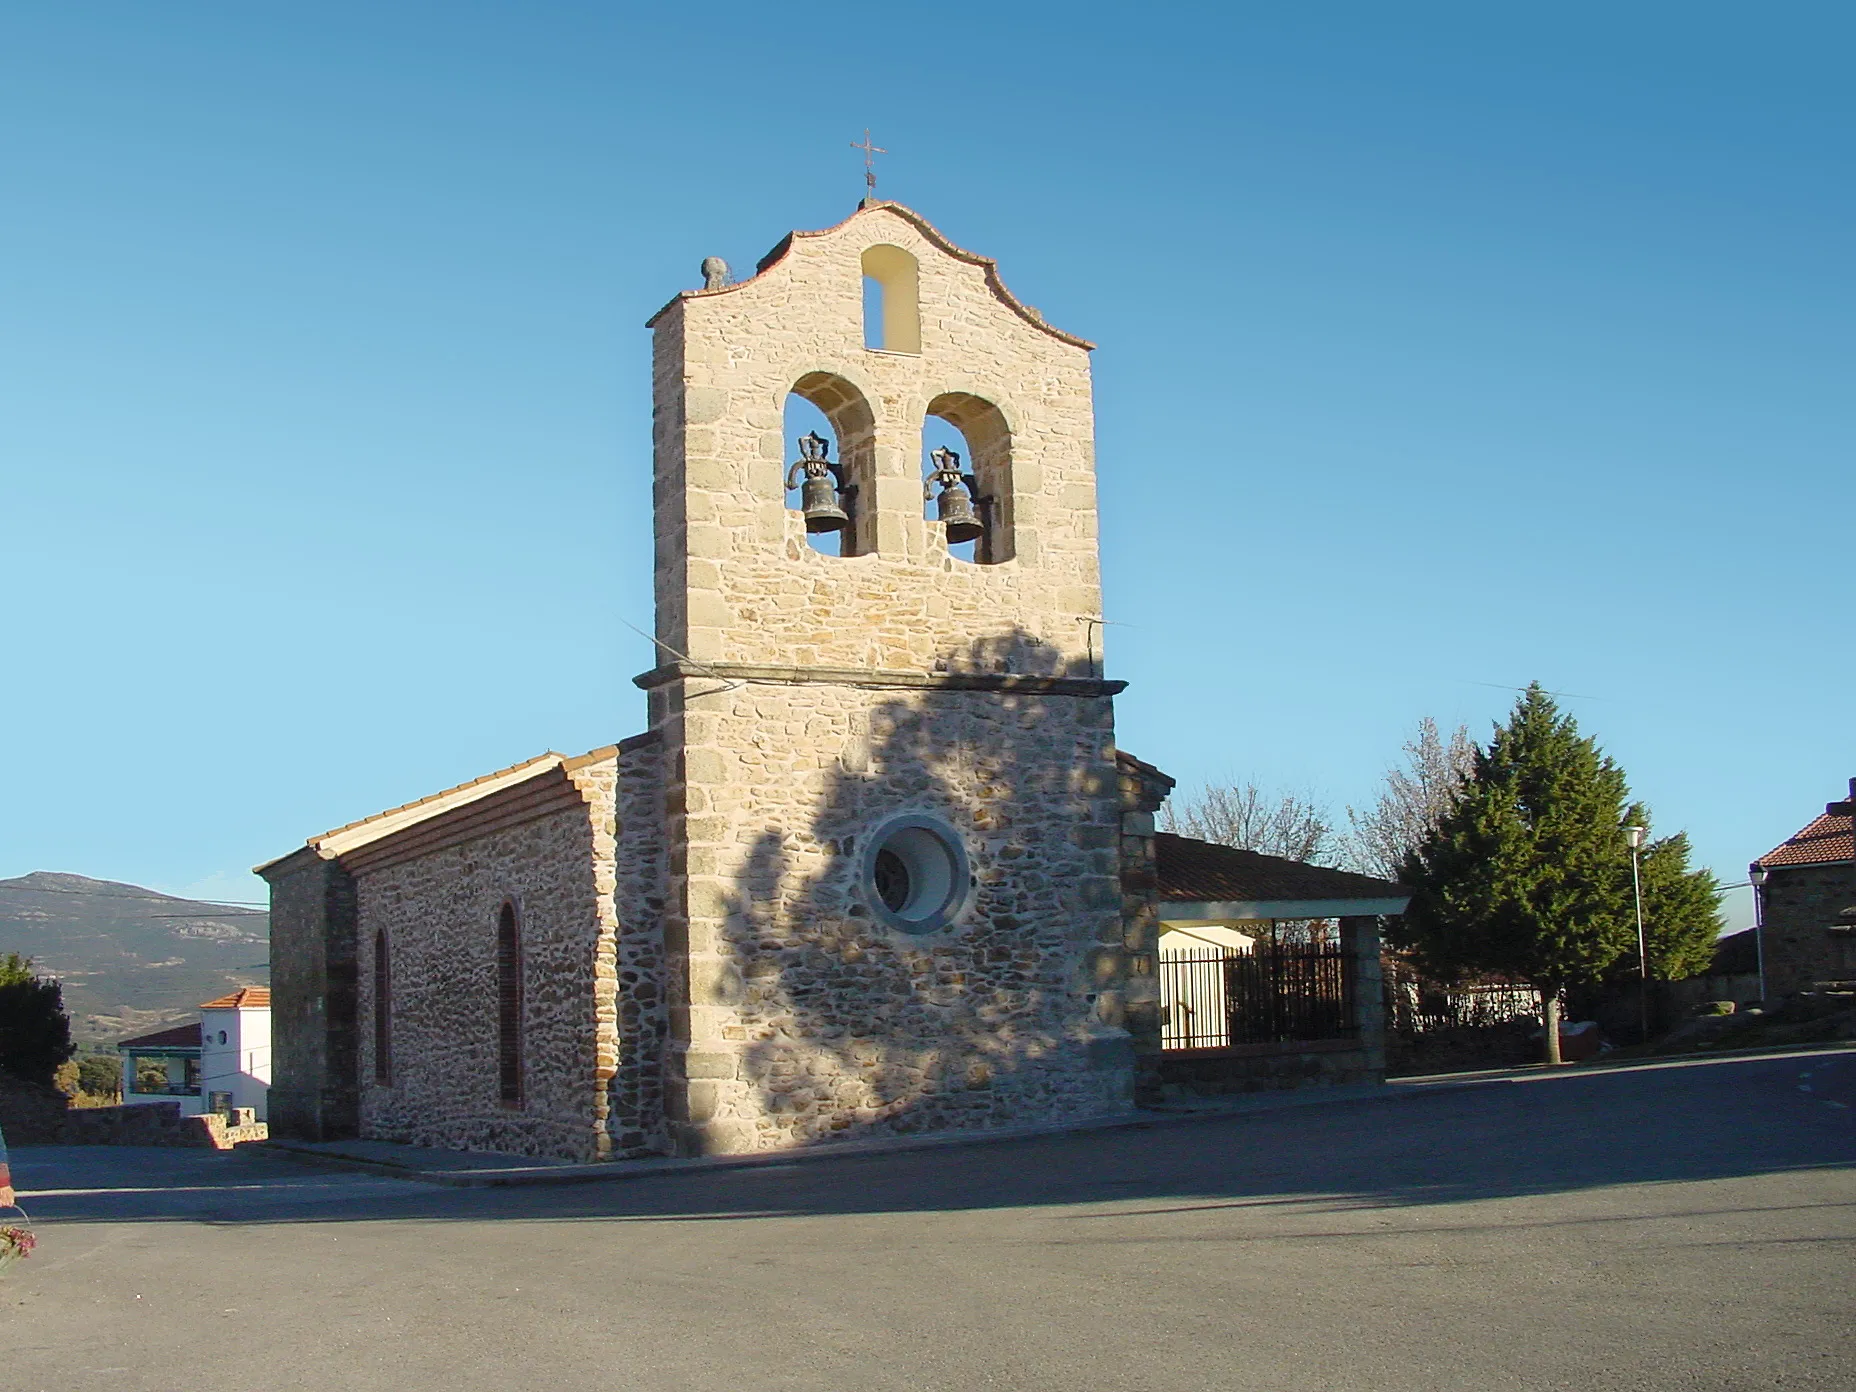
1824,840
519,765
339,840
1207,860
173,1037
245,998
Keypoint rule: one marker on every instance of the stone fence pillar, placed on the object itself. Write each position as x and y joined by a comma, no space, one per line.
1359,938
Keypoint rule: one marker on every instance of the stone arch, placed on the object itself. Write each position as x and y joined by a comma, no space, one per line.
848,412
892,300
989,457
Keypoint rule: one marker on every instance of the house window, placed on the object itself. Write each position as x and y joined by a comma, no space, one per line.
383,1010
508,1008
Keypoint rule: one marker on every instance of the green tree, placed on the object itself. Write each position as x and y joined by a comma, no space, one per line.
1681,907
1528,874
35,1032
100,1075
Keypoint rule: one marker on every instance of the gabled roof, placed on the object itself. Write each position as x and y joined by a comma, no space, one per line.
180,1037
994,281
1224,880
331,844
245,998
1827,839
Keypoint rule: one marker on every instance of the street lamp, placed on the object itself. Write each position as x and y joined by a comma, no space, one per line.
1634,835
1756,874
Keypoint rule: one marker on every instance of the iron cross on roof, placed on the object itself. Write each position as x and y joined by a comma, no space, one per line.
870,154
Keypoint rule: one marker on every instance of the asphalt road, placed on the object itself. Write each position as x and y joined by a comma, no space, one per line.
1672,1227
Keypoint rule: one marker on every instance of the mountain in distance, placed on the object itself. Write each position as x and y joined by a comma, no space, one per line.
131,960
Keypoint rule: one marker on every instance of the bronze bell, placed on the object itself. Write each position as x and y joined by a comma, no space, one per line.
954,506
818,499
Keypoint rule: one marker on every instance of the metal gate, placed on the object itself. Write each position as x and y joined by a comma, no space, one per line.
1212,998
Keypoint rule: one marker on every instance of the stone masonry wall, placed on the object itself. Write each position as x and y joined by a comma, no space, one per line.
637,1107
1801,902
815,700
1143,789
314,1089
440,912
31,1114
736,581
806,1018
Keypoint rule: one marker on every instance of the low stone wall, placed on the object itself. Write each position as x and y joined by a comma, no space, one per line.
33,1115
1264,1068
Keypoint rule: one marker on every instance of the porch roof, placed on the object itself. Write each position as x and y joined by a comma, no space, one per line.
1207,883
175,1040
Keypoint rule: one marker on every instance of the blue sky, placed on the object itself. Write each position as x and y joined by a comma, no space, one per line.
1444,347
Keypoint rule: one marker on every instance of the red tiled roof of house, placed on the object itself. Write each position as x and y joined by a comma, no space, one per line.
179,1037
1199,872
1824,841
245,998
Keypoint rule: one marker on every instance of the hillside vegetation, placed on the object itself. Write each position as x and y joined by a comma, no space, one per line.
131,960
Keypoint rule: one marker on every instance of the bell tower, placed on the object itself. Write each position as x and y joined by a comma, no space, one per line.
890,798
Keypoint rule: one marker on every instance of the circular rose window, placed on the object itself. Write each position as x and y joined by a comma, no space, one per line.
915,872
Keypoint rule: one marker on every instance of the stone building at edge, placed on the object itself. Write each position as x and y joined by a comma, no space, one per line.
875,865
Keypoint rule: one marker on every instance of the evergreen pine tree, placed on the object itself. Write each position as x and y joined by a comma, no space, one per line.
1681,908
1528,875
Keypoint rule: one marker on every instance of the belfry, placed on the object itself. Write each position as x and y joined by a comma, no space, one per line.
893,813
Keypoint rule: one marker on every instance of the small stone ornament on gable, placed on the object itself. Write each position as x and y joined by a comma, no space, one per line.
954,506
823,481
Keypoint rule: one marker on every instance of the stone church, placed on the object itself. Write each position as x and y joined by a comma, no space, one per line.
875,865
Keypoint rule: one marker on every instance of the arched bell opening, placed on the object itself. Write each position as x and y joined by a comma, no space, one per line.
892,300
967,477
829,435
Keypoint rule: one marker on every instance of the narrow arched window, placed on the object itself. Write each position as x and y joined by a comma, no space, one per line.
508,1009
892,300
383,1010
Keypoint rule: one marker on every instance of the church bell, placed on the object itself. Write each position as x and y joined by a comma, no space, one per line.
954,506
818,497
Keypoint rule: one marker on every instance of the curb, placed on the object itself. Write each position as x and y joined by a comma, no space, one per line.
613,1170
1395,1090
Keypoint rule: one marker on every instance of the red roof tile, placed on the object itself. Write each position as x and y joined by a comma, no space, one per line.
1825,841
180,1037
246,997
1200,872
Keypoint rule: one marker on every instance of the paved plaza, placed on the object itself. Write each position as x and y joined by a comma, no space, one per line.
1668,1227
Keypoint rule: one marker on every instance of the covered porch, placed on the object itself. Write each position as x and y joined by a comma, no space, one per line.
1268,970
163,1067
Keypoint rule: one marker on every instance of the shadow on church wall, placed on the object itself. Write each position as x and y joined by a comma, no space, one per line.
840,1025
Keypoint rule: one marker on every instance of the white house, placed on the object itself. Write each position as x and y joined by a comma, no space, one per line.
223,1062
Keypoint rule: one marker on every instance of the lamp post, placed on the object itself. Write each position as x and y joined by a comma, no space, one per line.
1634,835
1756,874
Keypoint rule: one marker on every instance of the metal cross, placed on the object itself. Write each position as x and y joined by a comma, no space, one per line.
870,153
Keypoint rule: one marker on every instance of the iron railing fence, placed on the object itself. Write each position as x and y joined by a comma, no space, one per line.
1418,1007
1277,993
